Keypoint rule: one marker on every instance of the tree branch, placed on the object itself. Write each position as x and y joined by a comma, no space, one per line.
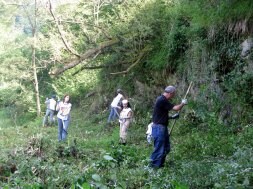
88,54
82,22
60,32
97,67
141,55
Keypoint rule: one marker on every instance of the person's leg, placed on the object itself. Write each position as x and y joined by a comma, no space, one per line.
45,119
51,119
166,145
114,113
158,155
65,128
125,127
54,119
120,132
117,112
110,115
60,128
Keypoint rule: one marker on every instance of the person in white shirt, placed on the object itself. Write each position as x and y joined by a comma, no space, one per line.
125,119
115,107
149,133
51,105
63,116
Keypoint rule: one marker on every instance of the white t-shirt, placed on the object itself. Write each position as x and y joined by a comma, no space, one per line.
64,110
149,130
124,113
116,100
51,103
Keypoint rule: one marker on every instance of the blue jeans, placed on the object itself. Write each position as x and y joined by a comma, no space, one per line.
63,129
161,145
51,118
113,114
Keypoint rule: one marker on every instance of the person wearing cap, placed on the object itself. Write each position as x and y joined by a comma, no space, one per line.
115,107
160,126
125,119
51,105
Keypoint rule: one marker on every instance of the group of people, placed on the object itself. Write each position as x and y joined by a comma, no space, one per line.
121,109
63,116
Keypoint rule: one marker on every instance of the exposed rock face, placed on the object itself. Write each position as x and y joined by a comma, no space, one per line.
246,53
246,46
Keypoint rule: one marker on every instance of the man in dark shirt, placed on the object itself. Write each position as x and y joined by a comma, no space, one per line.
160,125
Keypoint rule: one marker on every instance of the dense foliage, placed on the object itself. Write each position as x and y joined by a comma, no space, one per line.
90,48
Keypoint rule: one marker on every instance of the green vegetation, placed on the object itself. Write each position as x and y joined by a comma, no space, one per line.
88,49
201,157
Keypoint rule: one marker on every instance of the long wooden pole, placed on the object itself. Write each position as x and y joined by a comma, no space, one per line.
179,110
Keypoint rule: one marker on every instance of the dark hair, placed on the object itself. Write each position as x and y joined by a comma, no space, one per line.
63,100
128,105
118,91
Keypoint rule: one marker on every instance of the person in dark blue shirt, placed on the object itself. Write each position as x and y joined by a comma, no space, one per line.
160,126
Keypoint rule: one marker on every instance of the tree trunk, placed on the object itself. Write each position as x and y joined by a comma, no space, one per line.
36,83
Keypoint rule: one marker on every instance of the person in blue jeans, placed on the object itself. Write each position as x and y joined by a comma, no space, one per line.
51,104
63,116
160,119
115,106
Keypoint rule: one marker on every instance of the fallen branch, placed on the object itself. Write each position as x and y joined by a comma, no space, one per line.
98,67
141,55
88,54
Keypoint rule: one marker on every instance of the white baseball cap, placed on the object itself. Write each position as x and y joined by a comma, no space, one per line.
124,101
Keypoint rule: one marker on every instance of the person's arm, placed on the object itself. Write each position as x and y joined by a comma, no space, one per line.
130,114
180,106
47,101
67,110
58,106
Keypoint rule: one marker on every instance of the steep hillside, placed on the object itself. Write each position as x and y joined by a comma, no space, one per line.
139,47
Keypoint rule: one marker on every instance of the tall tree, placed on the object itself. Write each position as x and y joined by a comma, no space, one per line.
35,76
32,18
28,10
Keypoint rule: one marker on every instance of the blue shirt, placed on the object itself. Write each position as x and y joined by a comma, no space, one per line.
161,110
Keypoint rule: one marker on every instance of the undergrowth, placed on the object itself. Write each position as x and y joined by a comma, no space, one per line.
205,154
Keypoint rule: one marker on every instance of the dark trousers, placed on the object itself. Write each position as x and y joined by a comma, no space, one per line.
161,145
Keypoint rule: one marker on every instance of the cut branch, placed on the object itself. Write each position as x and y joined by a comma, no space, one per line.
88,54
141,55
98,67
60,32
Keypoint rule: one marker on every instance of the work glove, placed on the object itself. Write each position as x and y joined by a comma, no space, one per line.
184,101
175,116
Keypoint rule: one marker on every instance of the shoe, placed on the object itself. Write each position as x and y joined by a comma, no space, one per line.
155,166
